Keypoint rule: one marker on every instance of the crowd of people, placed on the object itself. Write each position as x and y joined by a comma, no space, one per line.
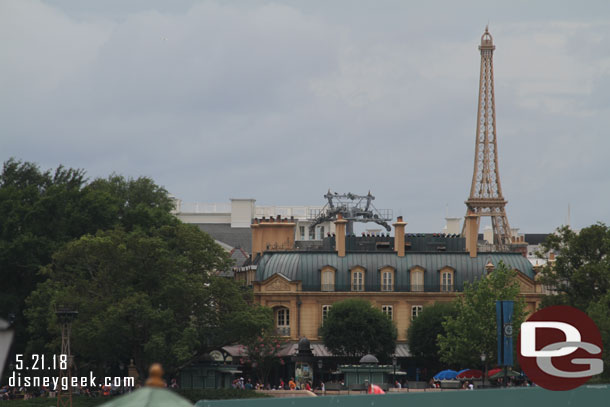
247,384
13,393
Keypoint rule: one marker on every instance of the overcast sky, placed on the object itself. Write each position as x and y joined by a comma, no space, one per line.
279,101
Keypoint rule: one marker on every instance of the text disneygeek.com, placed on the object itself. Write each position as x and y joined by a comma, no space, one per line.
65,382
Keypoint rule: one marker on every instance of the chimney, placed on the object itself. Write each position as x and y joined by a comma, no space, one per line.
276,233
399,236
340,238
471,230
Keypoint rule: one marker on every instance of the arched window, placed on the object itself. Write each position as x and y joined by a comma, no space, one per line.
282,321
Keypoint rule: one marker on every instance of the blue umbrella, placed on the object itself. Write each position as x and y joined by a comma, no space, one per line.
446,375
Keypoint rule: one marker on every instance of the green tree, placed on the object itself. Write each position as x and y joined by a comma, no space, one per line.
599,313
147,296
40,211
354,328
425,329
262,353
473,330
580,274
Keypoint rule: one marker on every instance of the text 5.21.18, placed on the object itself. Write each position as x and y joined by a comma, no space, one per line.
40,362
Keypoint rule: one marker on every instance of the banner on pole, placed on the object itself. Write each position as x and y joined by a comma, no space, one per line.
504,320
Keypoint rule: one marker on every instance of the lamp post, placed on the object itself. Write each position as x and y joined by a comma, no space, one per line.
6,337
320,366
483,358
394,362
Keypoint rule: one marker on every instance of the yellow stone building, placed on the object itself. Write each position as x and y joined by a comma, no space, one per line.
400,275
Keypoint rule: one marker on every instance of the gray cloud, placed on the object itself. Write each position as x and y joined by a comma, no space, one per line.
280,101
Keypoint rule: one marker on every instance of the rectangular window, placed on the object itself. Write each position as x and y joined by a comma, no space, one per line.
357,281
302,232
328,281
322,232
325,311
415,311
388,310
417,280
387,281
447,281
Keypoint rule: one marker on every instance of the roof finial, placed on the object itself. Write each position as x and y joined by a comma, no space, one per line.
155,376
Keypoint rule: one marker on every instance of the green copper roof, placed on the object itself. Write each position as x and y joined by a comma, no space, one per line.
306,266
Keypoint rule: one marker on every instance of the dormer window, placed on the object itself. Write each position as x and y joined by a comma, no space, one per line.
328,279
387,279
417,279
357,279
447,279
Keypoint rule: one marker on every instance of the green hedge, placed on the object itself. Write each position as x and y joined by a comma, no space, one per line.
195,395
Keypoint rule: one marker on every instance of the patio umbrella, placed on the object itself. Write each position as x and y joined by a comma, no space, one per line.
446,375
469,374
493,372
153,395
374,389
510,373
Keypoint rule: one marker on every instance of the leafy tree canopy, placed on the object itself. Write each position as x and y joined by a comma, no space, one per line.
580,273
424,330
150,297
40,211
473,330
261,353
143,282
355,328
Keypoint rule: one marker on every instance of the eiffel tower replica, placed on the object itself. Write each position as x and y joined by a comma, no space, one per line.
486,193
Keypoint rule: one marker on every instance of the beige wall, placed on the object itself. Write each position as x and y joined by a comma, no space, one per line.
269,235
306,319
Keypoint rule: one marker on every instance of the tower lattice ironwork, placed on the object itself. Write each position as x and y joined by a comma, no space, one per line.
65,318
485,192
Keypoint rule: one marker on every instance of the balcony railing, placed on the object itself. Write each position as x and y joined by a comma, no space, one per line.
283,330
445,288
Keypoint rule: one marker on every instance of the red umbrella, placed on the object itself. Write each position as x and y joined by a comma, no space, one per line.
470,374
493,372
374,389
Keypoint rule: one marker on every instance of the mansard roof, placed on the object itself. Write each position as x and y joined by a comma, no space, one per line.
306,266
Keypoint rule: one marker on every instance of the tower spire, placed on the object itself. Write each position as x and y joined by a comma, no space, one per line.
485,192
